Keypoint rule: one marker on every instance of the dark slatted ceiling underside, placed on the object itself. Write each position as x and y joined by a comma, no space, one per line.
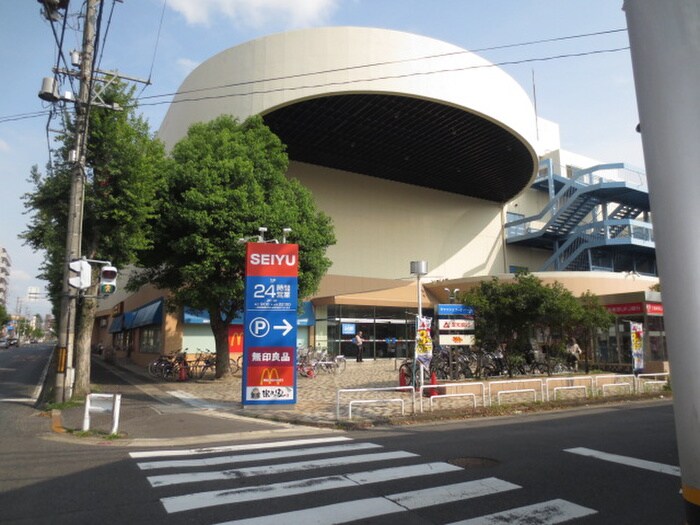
406,140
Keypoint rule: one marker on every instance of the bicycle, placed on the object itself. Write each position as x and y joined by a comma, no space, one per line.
331,365
410,375
306,365
156,367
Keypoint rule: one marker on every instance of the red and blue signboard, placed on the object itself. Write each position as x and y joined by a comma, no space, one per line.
270,324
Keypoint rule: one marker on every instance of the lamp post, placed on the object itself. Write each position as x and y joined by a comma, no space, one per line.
418,268
452,294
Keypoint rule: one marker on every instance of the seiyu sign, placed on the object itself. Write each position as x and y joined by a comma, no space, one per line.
270,324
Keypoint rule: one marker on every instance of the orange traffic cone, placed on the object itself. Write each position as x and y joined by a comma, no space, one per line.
433,381
403,380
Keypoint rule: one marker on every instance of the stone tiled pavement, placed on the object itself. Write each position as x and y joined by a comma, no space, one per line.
316,397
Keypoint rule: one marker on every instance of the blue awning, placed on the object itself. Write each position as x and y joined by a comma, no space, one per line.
117,324
149,314
192,316
128,320
196,316
307,316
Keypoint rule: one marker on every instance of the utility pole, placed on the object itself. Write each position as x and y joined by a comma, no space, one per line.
66,324
664,43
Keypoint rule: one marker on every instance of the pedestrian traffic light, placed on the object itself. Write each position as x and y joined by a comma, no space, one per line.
108,280
83,279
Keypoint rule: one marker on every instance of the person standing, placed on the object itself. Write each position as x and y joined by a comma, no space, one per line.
358,341
574,353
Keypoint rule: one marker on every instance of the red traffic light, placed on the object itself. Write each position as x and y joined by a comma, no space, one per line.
108,273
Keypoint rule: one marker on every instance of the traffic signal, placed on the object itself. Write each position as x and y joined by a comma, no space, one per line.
108,280
83,279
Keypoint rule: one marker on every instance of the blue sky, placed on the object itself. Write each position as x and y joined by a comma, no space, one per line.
591,96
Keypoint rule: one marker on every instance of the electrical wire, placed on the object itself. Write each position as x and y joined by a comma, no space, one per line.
346,82
104,38
400,61
155,48
140,100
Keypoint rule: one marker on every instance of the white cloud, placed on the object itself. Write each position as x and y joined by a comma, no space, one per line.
20,275
186,65
256,13
4,146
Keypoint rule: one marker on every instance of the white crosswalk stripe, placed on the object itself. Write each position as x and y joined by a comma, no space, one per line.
304,486
182,471
370,507
653,466
266,470
247,458
546,513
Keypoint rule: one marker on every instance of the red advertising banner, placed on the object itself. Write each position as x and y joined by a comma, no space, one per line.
272,260
635,308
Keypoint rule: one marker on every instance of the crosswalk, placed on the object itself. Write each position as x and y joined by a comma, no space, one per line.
237,478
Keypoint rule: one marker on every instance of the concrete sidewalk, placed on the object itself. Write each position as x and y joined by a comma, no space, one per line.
160,413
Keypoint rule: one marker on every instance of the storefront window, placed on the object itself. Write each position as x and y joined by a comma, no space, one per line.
151,339
388,331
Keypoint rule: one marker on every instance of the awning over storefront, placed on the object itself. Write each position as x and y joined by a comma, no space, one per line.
149,314
306,317
399,296
117,324
192,316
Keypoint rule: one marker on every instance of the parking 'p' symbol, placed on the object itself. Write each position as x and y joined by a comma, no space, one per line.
259,327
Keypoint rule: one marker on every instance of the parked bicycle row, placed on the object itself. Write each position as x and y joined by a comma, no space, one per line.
457,363
182,365
312,361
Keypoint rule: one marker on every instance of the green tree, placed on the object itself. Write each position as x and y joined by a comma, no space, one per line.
509,314
4,317
590,319
225,181
124,170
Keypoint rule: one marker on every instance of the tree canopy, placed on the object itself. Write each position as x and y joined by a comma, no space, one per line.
225,180
124,170
513,313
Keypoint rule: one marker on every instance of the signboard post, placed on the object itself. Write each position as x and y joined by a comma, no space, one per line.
455,327
270,324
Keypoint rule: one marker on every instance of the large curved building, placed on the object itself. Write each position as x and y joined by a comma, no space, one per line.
419,151
410,144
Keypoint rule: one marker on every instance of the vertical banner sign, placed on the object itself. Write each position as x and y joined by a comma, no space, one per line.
270,324
424,341
637,335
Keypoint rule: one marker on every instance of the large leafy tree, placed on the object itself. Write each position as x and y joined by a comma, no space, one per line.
124,170
511,313
226,180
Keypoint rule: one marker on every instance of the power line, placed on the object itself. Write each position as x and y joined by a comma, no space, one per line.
345,82
11,118
390,62
549,40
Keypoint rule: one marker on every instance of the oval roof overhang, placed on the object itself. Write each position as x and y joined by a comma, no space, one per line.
383,103
406,139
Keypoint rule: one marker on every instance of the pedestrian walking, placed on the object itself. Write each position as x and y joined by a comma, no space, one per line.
358,341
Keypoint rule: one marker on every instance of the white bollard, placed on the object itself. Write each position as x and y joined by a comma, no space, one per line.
102,403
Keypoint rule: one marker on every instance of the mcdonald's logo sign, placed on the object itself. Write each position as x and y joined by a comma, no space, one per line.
270,376
235,338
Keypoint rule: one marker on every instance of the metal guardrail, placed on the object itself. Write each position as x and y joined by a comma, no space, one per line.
590,385
383,389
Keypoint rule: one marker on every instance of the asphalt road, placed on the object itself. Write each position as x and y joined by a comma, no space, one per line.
603,465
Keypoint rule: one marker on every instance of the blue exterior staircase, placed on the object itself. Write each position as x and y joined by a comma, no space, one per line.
595,220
